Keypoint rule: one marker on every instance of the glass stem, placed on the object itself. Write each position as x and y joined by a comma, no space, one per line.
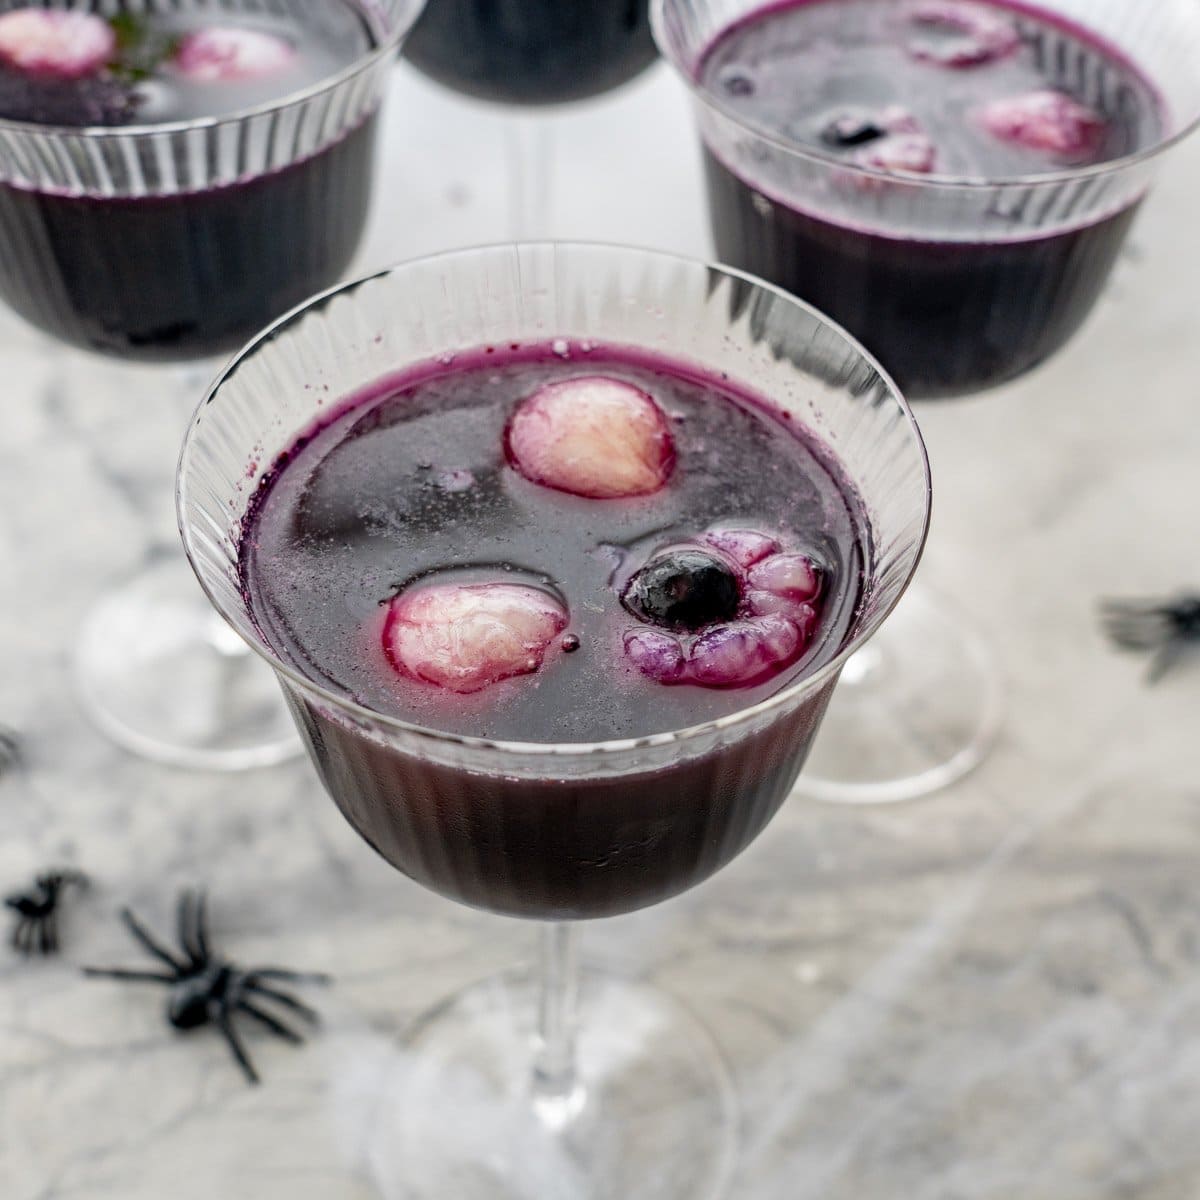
557,1093
529,143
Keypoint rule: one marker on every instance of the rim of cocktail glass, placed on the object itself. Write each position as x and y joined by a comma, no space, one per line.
687,73
807,683
385,48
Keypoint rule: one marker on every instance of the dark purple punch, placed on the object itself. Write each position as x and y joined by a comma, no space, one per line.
945,318
954,290
184,276
398,555
532,51
163,269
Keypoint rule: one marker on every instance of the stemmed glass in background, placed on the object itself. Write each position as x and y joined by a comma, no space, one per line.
174,242
957,285
530,56
619,1093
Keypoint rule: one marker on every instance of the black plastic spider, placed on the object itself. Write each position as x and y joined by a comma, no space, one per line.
1163,628
206,990
36,930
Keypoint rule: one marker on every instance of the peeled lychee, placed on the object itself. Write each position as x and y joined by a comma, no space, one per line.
467,637
912,153
59,45
224,53
658,655
744,546
792,576
592,436
959,34
743,652
1046,120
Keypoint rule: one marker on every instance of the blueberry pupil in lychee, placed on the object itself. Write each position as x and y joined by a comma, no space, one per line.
851,129
686,589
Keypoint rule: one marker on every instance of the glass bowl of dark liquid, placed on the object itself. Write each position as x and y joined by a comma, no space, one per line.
173,175
558,552
953,181
183,193
535,52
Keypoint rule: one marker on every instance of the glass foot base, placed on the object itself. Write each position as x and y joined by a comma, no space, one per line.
653,1115
916,710
163,676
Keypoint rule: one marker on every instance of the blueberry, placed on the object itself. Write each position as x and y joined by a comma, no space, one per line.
852,129
684,589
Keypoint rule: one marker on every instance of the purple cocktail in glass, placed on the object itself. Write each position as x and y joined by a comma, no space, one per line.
173,175
163,222
558,552
537,52
955,292
953,180
706,556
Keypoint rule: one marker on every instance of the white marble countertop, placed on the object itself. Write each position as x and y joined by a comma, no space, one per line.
989,994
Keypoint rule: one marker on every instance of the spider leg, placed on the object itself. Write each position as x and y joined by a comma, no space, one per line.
297,1006
120,973
29,935
46,940
184,926
235,1045
200,927
263,1018
146,938
1164,660
20,936
288,976
10,749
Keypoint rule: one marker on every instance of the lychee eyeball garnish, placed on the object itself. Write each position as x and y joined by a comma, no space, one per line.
889,140
731,611
592,436
910,153
466,637
221,53
958,34
1046,120
57,45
